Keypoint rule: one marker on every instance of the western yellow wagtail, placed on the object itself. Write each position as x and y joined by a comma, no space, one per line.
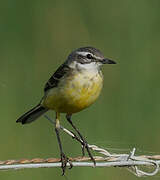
75,85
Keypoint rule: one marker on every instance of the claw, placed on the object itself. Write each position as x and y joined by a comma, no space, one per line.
71,165
64,161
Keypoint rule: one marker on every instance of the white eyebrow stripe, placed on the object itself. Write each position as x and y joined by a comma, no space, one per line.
85,54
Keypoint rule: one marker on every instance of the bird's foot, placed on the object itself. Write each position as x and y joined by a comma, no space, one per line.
64,161
85,146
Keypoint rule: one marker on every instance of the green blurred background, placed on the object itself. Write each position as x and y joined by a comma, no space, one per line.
36,36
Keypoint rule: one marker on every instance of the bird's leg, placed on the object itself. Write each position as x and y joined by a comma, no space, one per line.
85,144
64,158
80,141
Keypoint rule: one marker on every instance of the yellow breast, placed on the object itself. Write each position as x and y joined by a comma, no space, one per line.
74,93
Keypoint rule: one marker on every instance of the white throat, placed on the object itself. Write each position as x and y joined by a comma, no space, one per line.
93,66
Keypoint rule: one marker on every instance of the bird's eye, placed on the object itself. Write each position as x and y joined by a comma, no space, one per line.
89,56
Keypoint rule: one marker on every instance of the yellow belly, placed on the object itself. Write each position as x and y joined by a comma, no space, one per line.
74,93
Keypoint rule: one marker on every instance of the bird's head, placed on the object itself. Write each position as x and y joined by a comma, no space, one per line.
87,58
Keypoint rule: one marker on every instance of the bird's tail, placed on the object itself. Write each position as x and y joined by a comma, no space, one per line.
32,115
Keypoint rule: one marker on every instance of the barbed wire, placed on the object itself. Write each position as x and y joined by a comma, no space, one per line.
129,161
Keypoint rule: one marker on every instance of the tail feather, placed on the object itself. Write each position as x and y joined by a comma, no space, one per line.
32,115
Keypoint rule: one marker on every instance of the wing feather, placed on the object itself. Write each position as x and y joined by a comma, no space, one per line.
55,78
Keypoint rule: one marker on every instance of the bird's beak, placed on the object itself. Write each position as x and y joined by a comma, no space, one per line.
108,61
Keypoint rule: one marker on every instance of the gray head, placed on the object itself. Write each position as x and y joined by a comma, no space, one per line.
87,57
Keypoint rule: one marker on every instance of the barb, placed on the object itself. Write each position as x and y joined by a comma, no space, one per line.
106,159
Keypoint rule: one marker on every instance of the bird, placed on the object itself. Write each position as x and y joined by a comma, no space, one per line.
74,86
